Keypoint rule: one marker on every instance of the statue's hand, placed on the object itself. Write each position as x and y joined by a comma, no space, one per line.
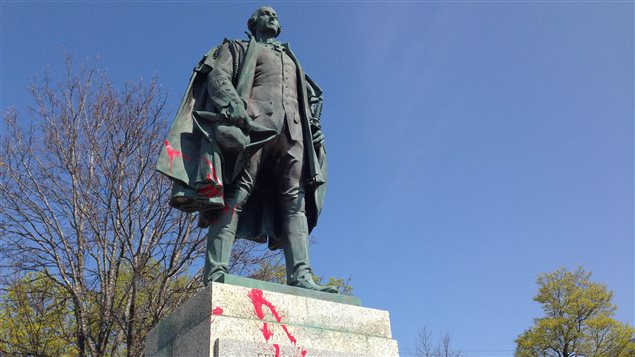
318,137
239,117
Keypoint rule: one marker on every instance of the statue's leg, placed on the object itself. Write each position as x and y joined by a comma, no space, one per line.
296,253
222,231
220,239
295,231
296,248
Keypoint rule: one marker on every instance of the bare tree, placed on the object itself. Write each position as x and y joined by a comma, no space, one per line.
444,349
81,203
424,347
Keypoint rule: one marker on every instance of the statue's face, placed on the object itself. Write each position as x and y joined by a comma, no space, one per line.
267,22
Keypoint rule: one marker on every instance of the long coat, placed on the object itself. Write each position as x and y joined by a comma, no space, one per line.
200,169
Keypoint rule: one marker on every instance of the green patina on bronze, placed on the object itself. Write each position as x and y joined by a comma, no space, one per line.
246,150
289,290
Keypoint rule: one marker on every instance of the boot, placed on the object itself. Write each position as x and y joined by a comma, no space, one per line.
220,239
296,254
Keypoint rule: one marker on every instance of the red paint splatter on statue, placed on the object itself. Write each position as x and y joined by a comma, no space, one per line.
214,189
277,348
172,153
227,208
210,191
303,353
258,300
218,213
266,332
212,176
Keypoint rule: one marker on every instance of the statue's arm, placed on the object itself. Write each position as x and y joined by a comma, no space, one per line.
220,89
314,94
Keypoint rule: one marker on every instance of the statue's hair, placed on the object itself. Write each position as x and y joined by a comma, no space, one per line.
251,23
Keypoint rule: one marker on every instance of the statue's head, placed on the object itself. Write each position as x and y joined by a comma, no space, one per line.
264,21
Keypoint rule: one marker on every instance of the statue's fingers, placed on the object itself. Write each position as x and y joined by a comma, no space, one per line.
318,137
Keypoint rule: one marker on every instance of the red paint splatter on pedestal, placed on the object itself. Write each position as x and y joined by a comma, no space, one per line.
266,332
289,336
217,311
258,300
277,347
172,153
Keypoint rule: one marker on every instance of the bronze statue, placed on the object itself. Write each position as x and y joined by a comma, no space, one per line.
246,150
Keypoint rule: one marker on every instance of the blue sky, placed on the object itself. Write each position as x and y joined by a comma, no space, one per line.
472,145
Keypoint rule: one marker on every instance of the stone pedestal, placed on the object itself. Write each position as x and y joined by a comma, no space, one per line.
245,317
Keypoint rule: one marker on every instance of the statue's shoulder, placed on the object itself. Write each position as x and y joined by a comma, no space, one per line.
226,43
207,62
238,42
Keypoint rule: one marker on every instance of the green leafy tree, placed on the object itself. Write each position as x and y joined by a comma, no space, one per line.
578,320
36,319
37,315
